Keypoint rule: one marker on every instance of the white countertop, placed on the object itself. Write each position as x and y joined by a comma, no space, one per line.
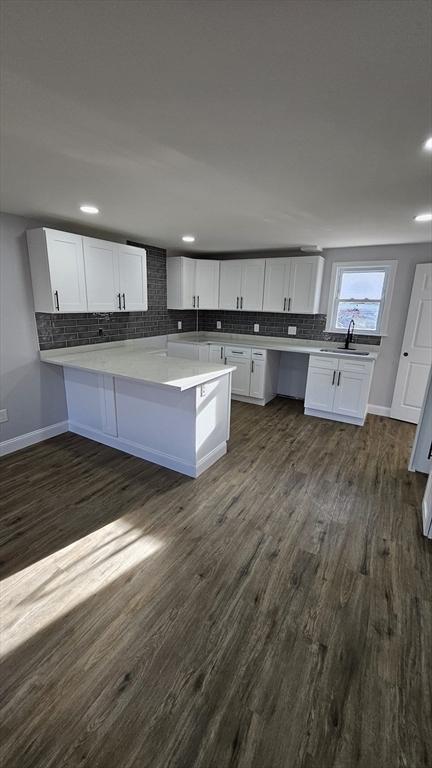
304,346
138,361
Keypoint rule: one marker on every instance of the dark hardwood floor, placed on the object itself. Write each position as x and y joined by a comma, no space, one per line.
274,613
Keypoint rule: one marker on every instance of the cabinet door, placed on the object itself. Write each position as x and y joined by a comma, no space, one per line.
257,378
252,284
241,376
216,353
230,284
101,271
305,284
207,283
320,389
276,287
351,394
66,267
132,265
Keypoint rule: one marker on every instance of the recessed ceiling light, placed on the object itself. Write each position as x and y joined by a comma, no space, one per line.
427,216
89,208
188,238
428,144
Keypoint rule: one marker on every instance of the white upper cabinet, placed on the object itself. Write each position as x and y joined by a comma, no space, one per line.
101,272
192,283
276,285
71,273
293,285
132,271
230,284
206,283
57,270
242,284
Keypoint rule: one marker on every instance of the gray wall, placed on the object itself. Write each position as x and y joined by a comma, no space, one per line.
407,257
33,393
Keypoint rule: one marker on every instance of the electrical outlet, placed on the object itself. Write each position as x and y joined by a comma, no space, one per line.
179,325
218,325
292,330
3,415
256,328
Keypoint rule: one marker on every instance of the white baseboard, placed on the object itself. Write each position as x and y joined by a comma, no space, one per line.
378,410
150,454
31,438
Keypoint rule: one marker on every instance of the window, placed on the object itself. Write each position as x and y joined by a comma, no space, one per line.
360,292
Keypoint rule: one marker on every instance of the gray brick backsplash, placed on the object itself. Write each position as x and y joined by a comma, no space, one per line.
72,330
274,324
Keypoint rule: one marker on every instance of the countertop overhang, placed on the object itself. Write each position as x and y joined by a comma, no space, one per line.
138,362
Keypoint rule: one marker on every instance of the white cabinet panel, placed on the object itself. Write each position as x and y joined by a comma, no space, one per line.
132,270
230,284
216,353
65,256
207,283
276,285
305,284
252,284
351,393
320,389
241,376
257,378
101,272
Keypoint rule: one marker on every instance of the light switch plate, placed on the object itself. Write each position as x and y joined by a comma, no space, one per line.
179,325
256,328
218,325
292,330
3,415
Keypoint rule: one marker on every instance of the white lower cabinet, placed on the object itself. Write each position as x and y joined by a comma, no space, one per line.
216,353
338,388
257,378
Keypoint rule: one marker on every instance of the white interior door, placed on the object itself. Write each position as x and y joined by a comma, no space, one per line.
132,263
416,354
66,264
101,271
427,508
230,284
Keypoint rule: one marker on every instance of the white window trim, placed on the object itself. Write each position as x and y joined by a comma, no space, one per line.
337,267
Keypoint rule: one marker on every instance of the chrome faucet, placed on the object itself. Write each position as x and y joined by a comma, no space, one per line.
350,334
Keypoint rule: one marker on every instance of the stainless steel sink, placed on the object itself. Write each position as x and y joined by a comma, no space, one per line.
346,351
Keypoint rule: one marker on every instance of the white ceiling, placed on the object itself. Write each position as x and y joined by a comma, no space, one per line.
251,123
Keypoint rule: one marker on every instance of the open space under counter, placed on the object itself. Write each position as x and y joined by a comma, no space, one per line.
175,413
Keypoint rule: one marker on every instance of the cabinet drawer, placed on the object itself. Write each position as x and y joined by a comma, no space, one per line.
329,363
259,354
238,352
355,366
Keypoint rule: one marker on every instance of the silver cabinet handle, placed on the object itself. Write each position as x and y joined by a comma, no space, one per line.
237,303
119,300
198,302
221,353
241,303
284,305
289,303
56,300
334,376
339,378
124,301
252,367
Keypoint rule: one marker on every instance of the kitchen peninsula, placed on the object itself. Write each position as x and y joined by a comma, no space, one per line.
130,396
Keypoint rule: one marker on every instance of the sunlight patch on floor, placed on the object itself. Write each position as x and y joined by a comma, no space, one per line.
40,594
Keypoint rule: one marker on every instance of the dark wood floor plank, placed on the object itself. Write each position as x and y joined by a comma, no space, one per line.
274,613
